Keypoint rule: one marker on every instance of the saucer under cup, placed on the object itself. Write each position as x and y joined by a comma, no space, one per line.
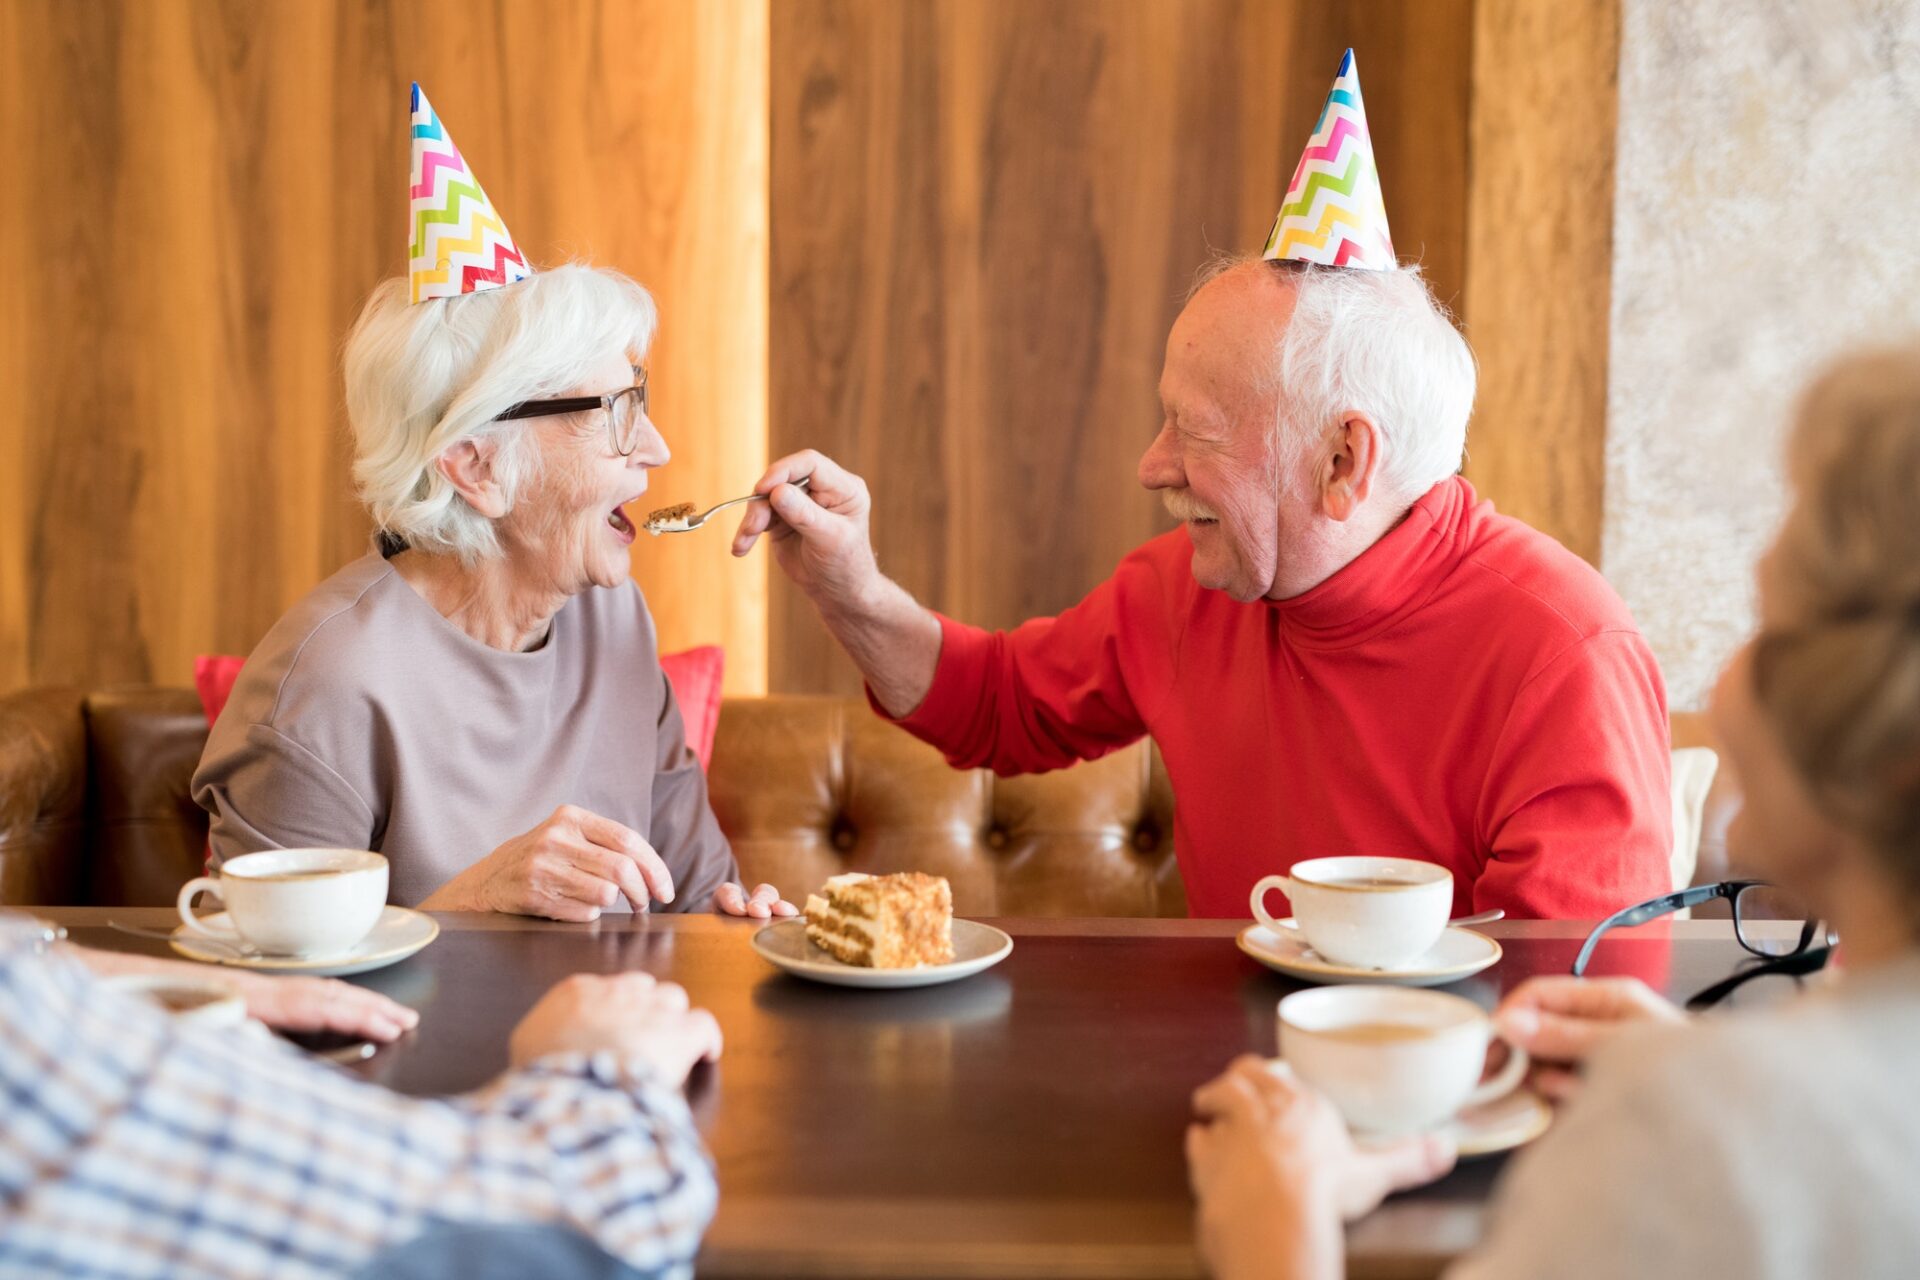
1394,1060
293,902
1367,913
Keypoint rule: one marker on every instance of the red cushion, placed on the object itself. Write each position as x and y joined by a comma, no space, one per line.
213,676
695,676
694,673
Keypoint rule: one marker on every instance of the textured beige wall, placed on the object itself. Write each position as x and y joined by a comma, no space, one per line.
1764,219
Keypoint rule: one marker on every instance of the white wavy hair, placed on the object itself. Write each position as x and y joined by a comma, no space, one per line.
1375,342
424,377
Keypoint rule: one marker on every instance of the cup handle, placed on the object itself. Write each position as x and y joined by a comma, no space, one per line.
208,884
1505,1080
1260,891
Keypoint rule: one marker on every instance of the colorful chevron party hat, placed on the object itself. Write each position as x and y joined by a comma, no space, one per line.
460,245
1333,213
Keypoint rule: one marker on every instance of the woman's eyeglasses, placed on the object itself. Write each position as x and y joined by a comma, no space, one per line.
1758,910
626,409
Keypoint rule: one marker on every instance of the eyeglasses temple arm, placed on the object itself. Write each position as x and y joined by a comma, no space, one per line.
1628,917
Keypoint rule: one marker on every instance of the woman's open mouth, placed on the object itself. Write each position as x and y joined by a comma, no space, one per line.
621,525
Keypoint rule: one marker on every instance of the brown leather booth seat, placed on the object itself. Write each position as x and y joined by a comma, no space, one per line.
94,807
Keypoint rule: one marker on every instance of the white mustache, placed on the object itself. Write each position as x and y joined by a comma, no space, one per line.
1181,505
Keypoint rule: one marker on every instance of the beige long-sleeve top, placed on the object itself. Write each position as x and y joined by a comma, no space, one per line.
1782,1143
367,720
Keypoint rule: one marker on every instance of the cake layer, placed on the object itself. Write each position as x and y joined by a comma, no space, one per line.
885,922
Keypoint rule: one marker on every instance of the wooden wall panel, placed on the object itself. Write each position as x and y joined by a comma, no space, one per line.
199,195
1540,256
985,217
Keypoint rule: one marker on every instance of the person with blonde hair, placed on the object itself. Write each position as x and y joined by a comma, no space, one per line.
1784,1142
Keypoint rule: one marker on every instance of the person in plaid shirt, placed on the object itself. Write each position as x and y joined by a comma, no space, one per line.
134,1146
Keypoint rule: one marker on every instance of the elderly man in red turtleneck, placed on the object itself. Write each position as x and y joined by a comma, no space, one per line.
1340,651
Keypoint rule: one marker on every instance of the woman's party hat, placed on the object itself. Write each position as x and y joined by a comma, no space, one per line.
460,245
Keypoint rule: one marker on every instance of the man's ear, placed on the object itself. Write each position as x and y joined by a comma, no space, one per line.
1347,474
468,467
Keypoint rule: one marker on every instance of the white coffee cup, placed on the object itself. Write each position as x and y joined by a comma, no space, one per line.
1394,1060
195,1003
1368,913
294,902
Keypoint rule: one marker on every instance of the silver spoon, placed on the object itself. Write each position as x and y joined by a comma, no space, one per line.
238,951
1458,922
659,522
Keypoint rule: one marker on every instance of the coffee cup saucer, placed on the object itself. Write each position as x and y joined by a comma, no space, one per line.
1507,1122
1460,953
1511,1120
398,933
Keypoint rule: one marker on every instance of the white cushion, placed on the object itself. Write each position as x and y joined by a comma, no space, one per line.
1693,770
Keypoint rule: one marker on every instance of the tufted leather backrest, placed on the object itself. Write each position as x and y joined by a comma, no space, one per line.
94,807
806,788
43,796
149,836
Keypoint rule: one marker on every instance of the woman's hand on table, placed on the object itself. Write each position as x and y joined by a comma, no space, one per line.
571,867
764,903
1275,1174
1560,1021
284,1003
646,1022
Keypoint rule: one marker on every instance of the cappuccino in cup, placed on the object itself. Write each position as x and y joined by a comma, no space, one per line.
1394,1060
293,902
1366,913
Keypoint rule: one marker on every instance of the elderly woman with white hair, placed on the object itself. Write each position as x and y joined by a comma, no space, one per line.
480,698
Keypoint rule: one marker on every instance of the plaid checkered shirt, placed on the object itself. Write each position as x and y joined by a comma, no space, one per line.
134,1147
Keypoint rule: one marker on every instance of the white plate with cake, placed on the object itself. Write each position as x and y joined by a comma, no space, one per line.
882,931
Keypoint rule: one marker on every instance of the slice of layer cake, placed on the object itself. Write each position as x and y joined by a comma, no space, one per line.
883,922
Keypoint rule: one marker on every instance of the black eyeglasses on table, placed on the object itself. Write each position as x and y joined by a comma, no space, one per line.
625,410
1753,901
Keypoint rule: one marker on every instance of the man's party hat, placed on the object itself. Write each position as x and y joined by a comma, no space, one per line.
460,245
1333,213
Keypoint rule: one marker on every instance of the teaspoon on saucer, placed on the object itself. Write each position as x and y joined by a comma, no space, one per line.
1458,922
238,951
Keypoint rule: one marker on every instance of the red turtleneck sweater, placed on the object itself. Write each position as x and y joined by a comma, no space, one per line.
1467,691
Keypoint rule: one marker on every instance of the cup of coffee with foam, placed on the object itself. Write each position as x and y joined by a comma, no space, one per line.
293,902
1367,913
1394,1060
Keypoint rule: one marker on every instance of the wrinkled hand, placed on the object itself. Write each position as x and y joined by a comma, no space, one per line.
1275,1173
287,1003
570,867
646,1022
323,1004
732,900
1560,1021
820,536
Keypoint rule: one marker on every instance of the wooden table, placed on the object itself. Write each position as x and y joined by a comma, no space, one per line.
1024,1122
